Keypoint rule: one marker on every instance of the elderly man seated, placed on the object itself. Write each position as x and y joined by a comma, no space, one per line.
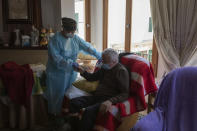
113,88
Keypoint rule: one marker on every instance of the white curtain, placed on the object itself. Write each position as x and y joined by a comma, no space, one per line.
175,31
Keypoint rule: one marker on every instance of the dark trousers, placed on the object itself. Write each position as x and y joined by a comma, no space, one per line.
91,105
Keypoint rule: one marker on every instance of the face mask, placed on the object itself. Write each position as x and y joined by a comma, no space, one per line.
106,67
69,35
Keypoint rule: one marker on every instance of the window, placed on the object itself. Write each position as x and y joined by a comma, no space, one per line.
142,35
116,24
80,17
127,26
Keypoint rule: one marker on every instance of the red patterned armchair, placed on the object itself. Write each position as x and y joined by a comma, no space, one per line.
142,83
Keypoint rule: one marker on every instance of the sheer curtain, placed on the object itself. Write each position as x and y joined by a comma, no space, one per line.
175,31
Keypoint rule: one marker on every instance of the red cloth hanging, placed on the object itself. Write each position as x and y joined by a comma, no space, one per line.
18,81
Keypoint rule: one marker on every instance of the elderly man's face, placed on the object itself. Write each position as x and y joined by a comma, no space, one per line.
106,60
107,63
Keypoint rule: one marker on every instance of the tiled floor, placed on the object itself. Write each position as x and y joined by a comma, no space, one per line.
39,128
66,128
36,129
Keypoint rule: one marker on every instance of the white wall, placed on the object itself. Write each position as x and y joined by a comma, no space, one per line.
68,8
51,13
54,10
97,24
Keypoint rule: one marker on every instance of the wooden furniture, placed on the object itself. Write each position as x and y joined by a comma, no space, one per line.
151,99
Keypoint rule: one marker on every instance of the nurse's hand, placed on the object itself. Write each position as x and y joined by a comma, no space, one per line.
100,61
75,66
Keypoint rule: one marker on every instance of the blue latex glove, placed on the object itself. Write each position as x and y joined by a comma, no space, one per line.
100,60
75,65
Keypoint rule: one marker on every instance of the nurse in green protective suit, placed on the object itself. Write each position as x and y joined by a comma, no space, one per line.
63,49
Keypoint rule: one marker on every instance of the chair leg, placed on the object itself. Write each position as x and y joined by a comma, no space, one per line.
150,101
32,113
22,118
12,115
149,104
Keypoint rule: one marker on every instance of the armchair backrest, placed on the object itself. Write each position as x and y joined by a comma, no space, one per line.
141,73
142,82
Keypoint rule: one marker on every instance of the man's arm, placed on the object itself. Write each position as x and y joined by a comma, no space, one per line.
92,76
123,80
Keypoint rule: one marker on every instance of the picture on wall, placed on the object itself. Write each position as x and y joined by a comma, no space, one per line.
17,11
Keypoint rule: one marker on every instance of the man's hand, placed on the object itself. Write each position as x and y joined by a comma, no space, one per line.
105,106
78,68
81,70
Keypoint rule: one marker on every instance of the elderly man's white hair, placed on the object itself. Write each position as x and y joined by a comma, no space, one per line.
111,54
